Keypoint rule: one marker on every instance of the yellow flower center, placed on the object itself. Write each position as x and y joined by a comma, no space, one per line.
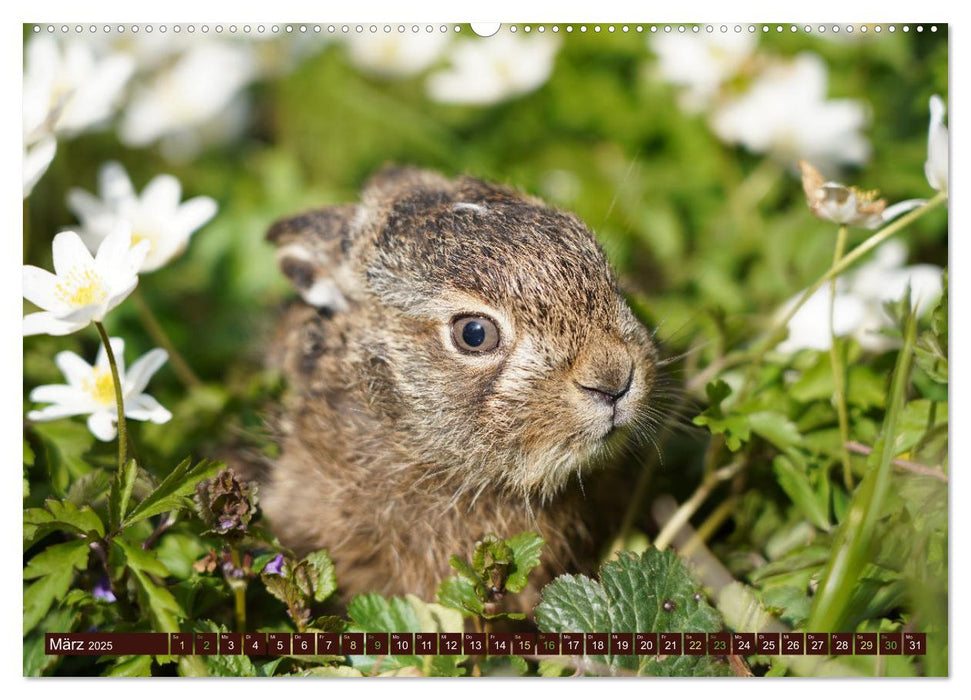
137,237
81,287
100,386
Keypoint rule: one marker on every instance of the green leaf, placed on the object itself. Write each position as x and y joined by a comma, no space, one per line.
121,489
54,570
463,567
324,575
65,444
40,595
795,482
174,492
88,489
735,427
61,515
776,428
131,667
66,555
855,540
372,613
458,592
526,548
652,592
497,566
63,618
162,606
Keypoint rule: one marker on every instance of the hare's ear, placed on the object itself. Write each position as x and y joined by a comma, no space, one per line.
394,182
312,251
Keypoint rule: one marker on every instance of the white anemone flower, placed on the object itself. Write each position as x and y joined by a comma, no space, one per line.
785,114
37,158
860,297
90,390
935,168
395,55
701,63
82,289
833,201
68,88
155,215
487,71
202,84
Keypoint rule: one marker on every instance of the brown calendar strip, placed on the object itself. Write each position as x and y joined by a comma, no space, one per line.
494,644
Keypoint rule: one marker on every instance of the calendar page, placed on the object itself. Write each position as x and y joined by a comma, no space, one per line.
365,349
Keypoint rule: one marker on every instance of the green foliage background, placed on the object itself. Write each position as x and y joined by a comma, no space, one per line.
709,241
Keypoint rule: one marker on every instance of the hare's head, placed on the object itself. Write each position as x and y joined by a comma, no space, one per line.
484,327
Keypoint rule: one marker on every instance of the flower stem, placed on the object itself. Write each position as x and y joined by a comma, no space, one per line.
776,331
688,508
154,328
239,592
839,379
119,398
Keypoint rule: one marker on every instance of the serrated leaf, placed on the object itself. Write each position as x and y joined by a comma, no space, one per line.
131,667
64,618
325,576
73,554
54,570
526,548
503,666
65,444
121,490
795,482
652,592
331,672
87,489
141,559
174,492
61,515
370,612
776,428
162,606
458,592
463,567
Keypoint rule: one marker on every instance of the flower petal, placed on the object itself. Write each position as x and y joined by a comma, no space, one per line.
114,185
74,368
895,210
69,252
936,165
55,412
82,314
113,249
37,159
118,349
46,322
102,426
119,295
39,288
194,213
84,205
142,370
145,407
162,194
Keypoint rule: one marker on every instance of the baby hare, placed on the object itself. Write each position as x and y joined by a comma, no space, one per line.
461,358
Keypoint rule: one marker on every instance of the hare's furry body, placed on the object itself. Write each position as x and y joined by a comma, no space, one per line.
398,449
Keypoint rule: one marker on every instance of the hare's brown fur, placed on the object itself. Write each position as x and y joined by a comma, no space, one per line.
398,449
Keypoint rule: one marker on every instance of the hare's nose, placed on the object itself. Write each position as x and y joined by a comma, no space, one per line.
609,390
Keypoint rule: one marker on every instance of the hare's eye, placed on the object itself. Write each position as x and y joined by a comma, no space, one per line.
475,334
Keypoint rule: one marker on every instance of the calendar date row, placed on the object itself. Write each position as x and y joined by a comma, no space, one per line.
493,643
